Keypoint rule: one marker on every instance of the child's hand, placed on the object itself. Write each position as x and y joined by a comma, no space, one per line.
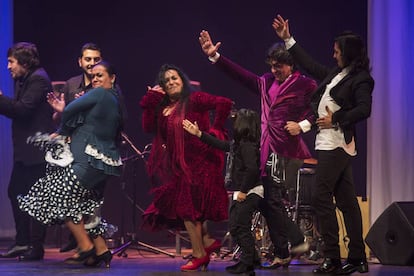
241,197
191,128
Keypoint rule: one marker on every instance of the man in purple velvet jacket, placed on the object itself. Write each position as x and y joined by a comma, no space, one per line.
285,102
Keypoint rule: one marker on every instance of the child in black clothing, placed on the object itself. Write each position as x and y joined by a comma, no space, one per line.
245,181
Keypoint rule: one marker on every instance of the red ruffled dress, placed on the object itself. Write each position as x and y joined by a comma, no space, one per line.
187,174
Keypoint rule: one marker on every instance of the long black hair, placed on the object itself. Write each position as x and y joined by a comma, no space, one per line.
187,87
246,126
353,51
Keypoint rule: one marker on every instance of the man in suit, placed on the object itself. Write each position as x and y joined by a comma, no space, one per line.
30,113
285,96
76,86
342,99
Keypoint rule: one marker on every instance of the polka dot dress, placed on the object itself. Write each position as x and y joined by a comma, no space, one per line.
58,196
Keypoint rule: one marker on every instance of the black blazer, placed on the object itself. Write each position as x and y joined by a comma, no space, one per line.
353,93
246,162
30,113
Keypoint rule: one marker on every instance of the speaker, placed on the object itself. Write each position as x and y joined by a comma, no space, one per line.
391,237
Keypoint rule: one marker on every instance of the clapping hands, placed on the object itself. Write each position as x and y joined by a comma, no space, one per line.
57,102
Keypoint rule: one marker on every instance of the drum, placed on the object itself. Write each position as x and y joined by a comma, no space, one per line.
306,182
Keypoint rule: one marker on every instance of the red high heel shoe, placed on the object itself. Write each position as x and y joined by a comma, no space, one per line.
195,263
213,247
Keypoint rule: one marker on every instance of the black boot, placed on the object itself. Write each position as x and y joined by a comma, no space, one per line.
353,265
328,266
35,253
241,268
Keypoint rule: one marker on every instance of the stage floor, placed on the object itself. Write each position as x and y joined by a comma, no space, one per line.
142,262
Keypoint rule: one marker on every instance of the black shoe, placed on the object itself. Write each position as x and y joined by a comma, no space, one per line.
97,260
241,268
82,257
276,263
35,253
328,266
15,251
353,265
71,245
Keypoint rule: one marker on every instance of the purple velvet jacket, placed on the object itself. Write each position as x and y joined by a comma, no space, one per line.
291,104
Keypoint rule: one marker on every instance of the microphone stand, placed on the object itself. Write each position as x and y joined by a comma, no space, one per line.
136,244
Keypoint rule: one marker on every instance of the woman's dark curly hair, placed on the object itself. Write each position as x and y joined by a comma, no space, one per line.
187,87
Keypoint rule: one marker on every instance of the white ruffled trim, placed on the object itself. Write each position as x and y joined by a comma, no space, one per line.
61,157
90,150
92,222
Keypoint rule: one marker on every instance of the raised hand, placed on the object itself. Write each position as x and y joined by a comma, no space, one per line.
281,27
156,88
56,102
207,44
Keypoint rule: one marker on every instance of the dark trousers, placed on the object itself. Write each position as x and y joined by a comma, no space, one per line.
240,223
281,228
28,230
334,180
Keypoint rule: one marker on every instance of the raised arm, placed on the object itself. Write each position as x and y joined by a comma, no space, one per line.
301,57
149,103
232,69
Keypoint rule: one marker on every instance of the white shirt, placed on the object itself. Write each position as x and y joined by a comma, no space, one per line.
331,138
328,139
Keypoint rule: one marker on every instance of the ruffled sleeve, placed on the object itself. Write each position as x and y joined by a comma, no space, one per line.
149,103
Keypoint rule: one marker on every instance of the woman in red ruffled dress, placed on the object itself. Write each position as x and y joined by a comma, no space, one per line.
186,173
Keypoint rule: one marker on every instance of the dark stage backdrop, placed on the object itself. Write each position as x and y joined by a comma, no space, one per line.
139,36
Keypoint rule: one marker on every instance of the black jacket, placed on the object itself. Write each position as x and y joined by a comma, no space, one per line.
30,113
246,162
353,93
